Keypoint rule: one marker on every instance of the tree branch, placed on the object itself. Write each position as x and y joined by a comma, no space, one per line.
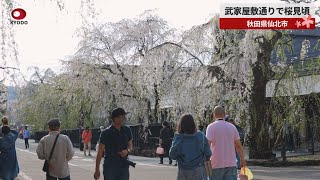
179,46
4,67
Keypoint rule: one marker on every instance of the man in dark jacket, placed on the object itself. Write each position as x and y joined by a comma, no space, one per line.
116,143
165,141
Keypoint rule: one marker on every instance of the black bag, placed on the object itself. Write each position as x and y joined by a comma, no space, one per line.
45,167
81,146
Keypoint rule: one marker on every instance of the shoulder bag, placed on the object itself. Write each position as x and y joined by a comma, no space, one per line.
45,167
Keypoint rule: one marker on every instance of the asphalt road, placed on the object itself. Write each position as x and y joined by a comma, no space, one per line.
82,168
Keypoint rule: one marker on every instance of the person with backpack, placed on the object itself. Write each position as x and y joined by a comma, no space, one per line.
165,141
190,147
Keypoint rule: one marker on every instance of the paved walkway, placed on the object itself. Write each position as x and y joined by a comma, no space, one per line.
82,168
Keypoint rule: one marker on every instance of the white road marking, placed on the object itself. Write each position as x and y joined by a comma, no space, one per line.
151,165
73,164
76,157
82,153
24,176
89,160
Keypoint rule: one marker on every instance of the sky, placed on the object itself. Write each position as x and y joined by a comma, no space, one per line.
50,33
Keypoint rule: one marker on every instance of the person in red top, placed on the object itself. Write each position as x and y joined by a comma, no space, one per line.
86,139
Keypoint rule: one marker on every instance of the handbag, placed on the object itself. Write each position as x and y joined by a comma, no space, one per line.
160,150
243,176
45,167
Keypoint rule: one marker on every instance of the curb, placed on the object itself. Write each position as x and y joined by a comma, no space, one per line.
277,163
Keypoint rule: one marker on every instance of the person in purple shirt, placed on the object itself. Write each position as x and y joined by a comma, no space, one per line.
26,136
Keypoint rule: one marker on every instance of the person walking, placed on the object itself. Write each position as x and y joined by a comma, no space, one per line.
165,141
26,136
86,139
240,131
223,139
9,167
116,143
190,147
62,152
80,138
100,132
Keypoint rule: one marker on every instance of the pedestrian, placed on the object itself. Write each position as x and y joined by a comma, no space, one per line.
86,139
100,132
190,147
80,138
240,131
62,152
165,141
116,143
223,139
26,136
9,168
141,136
4,122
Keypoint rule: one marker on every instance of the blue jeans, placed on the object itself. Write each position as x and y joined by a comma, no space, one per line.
54,178
228,173
198,173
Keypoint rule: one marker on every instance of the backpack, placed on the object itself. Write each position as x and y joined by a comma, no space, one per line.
191,152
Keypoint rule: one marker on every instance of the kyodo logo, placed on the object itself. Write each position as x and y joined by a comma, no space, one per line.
18,14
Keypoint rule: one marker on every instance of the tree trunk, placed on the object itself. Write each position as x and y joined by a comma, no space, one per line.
258,135
148,114
157,102
257,109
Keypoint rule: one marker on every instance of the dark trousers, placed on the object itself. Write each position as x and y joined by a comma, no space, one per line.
110,173
166,148
54,178
81,145
26,142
